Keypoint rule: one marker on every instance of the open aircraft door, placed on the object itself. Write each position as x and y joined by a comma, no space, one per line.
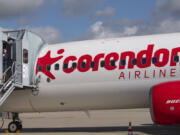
23,48
12,42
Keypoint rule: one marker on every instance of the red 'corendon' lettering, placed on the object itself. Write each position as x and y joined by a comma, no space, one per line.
87,59
96,60
175,52
67,60
162,55
108,58
147,54
165,57
123,57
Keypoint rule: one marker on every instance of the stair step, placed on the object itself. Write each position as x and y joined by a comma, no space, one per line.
8,84
6,89
6,94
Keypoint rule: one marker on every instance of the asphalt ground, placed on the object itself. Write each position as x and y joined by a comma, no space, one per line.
110,122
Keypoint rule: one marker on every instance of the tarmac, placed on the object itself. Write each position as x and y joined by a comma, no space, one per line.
104,122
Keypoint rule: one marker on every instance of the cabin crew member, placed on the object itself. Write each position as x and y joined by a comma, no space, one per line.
5,63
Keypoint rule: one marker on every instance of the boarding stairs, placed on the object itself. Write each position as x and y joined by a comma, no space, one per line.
8,87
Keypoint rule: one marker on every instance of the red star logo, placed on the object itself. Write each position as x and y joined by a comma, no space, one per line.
47,60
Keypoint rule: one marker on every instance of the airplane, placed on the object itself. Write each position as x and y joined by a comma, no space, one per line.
115,73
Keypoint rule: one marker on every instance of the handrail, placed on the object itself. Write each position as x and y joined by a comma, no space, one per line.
7,69
11,78
10,68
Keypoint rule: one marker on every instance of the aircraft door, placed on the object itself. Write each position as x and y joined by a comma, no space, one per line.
13,45
18,64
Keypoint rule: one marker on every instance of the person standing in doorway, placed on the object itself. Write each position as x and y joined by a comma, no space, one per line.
5,63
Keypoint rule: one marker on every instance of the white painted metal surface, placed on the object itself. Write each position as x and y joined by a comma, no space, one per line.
102,89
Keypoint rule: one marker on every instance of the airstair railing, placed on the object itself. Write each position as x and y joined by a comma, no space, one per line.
11,78
8,87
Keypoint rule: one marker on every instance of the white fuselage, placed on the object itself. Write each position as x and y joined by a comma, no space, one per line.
100,89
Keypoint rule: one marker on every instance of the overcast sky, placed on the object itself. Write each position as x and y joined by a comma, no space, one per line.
70,20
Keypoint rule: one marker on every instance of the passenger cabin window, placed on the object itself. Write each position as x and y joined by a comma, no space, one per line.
83,65
65,66
56,67
176,58
92,64
74,65
40,68
134,61
144,61
154,60
102,63
48,67
113,63
123,62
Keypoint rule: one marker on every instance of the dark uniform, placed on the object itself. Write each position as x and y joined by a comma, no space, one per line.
5,62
